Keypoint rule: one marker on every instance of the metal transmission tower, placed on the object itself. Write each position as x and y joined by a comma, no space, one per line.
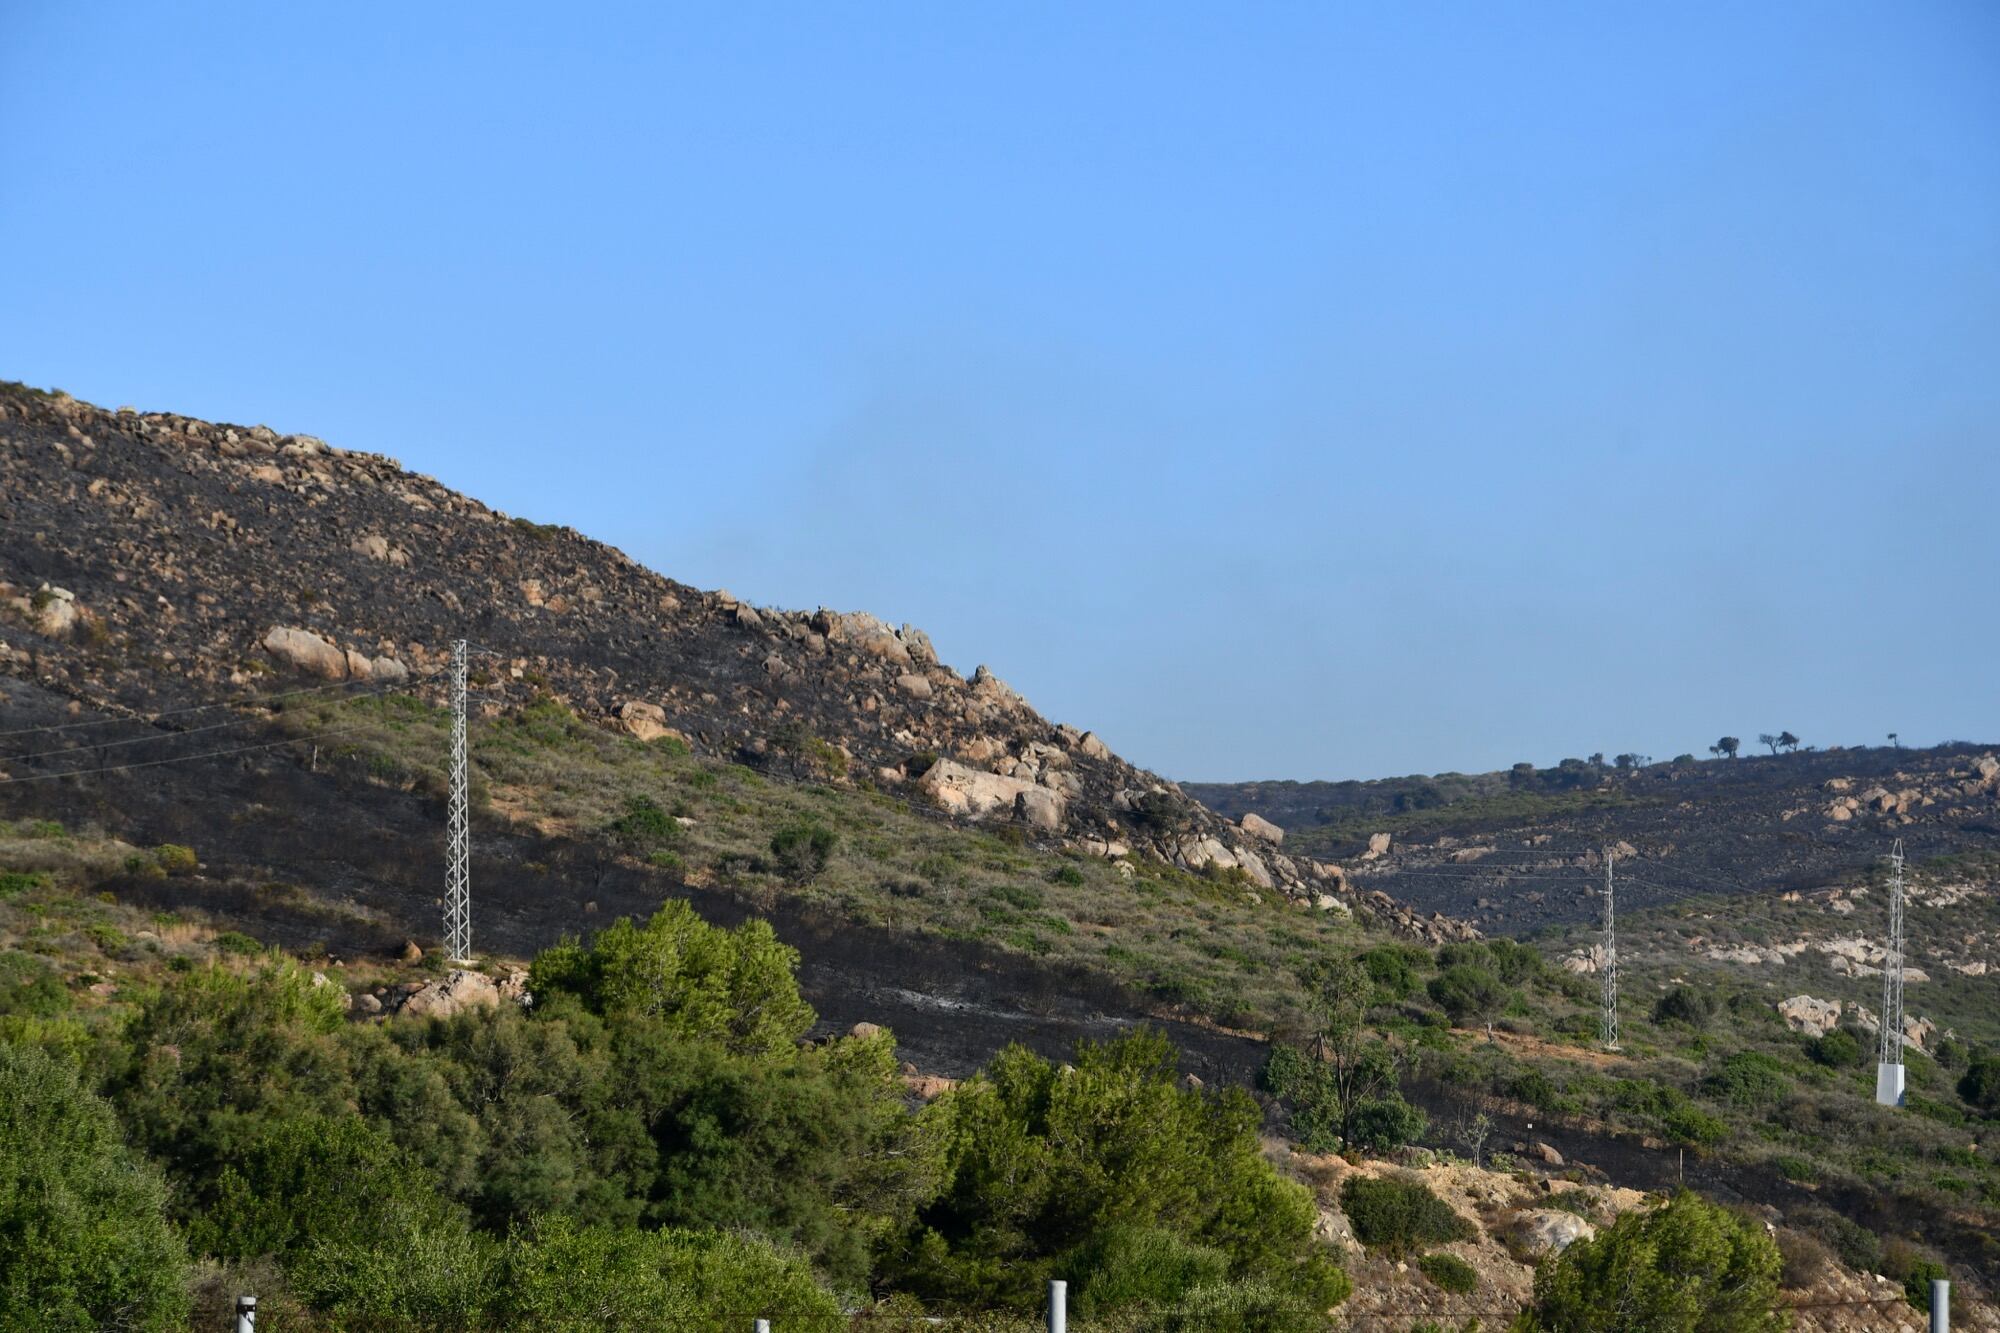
1889,1066
458,842
1610,961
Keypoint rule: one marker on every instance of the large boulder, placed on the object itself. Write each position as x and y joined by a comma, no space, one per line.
953,787
458,990
1259,827
1815,1018
1543,1232
306,651
647,722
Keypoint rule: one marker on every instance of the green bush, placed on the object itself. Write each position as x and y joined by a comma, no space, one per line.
1838,1049
1749,1079
560,1274
1383,1124
30,988
1694,1127
1042,1164
1399,1215
176,859
1980,1085
802,850
645,827
1450,1273
236,942
1686,1005
1467,993
704,983
1688,1266
84,1242
13,883
1393,969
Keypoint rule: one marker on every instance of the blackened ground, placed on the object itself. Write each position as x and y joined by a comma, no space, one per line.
304,854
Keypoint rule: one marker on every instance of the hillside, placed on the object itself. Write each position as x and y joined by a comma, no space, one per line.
1521,850
222,769
155,562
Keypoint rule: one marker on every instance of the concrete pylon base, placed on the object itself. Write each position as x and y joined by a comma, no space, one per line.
1889,1085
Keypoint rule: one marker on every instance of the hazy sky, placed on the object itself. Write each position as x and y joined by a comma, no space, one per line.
1316,390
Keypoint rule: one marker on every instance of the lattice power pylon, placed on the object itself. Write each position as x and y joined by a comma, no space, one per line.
458,834
1610,1025
1889,1066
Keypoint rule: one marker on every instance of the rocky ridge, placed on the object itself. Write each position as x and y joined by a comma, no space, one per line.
150,561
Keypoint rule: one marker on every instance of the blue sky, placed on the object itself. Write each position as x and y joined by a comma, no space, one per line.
1317,390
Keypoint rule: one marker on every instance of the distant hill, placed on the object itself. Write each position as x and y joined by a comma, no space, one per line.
1515,850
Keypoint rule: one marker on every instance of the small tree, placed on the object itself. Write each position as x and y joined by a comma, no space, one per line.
1895,742
1787,741
1726,747
1767,738
1688,1266
1342,1086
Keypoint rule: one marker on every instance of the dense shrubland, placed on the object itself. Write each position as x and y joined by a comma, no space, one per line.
651,1138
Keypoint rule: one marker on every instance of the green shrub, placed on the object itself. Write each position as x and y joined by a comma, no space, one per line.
802,850
1796,1168
1749,1079
1980,1085
645,827
13,883
1450,1273
1838,1049
1383,1124
236,942
1123,1267
1400,1215
561,1274
30,988
1684,1004
1694,1127
1393,968
1068,875
176,859
1042,1164
731,987
1689,1266
87,1244
1467,993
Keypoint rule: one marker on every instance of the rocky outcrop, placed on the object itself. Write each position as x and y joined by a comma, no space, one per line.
302,650
1541,1232
1814,1017
457,991
959,790
1258,827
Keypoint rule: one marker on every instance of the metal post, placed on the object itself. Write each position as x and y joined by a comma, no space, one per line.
761,1326
1940,1305
1058,1306
246,1314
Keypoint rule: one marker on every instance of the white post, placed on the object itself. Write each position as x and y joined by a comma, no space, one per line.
1058,1306
246,1314
761,1326
1940,1305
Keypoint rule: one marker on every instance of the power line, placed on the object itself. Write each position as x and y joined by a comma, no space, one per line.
95,746
185,758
